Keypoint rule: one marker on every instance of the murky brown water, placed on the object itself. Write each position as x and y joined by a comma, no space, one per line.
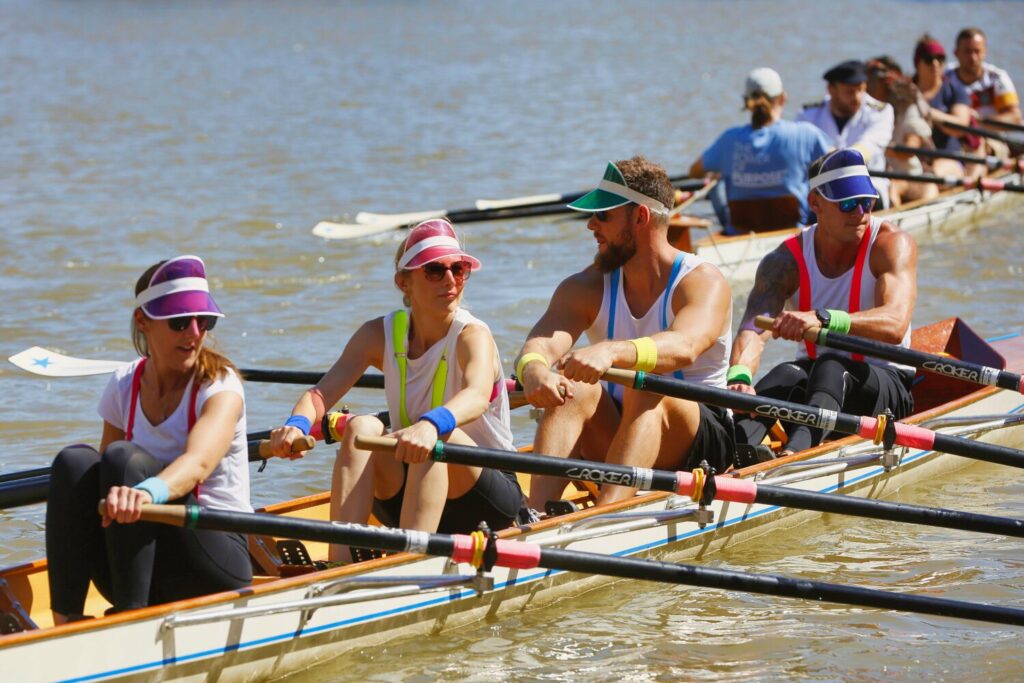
136,131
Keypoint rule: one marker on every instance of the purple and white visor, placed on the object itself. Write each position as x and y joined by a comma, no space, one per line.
844,176
178,288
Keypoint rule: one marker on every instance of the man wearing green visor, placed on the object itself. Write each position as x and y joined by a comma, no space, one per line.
644,305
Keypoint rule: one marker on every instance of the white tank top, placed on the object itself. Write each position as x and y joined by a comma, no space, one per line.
838,292
490,430
616,321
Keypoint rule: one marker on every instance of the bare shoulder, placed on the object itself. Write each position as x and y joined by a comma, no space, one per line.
582,291
893,248
778,271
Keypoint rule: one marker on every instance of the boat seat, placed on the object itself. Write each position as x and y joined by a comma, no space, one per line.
763,215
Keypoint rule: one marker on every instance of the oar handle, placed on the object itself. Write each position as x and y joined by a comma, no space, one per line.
376,443
299,445
173,515
767,322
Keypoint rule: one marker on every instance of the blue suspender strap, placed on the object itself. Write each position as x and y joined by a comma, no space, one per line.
667,297
613,297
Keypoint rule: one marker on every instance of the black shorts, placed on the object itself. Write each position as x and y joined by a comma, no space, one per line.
715,440
495,499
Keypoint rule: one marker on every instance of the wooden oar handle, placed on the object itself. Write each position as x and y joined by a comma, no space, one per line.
299,445
376,443
767,322
173,515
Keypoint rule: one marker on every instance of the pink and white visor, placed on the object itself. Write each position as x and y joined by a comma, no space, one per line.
178,288
432,240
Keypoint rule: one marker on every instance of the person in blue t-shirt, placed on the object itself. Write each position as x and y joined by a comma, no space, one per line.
764,164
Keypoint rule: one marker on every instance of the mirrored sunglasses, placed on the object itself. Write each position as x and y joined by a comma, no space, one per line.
204,323
848,205
435,271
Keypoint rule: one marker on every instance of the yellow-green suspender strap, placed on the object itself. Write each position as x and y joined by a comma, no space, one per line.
400,339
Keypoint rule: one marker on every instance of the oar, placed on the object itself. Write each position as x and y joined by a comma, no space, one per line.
999,123
33,486
993,163
489,552
877,429
940,365
521,207
1010,140
990,184
725,488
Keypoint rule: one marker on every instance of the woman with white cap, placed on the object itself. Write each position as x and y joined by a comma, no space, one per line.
443,380
173,430
764,163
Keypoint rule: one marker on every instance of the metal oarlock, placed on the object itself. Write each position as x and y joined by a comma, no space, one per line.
706,515
891,457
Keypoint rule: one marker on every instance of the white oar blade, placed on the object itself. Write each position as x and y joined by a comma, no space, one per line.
348,231
398,219
489,204
40,361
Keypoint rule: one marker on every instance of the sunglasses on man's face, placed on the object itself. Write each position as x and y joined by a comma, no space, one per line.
204,323
934,58
460,270
849,205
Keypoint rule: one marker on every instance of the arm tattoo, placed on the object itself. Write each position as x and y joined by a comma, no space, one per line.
776,280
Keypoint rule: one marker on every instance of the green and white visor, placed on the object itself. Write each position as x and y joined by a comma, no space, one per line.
612,192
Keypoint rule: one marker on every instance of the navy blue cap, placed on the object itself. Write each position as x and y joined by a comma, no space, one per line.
843,175
851,72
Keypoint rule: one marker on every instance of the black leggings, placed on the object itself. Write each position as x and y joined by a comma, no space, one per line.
132,565
834,382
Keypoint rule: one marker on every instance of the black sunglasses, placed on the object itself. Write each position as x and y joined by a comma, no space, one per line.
435,272
204,323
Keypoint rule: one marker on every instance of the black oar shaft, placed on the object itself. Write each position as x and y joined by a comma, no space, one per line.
827,420
727,489
768,584
25,491
24,474
305,377
887,510
990,184
939,365
992,162
527,555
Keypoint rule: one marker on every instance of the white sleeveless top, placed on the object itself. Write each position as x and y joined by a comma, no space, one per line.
227,487
836,292
616,321
490,430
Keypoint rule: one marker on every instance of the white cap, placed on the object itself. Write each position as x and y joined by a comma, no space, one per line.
764,80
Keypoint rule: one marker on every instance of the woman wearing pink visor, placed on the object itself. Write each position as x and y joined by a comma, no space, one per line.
173,430
443,380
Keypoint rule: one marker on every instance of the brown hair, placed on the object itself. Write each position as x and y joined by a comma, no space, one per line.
968,34
760,106
649,179
210,364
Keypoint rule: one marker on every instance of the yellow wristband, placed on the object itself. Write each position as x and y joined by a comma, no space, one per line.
646,353
528,358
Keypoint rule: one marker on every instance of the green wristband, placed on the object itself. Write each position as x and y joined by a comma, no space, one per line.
839,322
739,374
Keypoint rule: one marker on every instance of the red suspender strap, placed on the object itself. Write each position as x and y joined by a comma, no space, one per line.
858,272
804,300
136,383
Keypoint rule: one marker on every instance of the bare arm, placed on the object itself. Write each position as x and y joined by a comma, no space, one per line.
573,308
702,302
365,348
894,263
777,279
697,169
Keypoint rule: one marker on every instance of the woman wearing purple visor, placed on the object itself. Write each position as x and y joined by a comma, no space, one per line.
443,380
173,430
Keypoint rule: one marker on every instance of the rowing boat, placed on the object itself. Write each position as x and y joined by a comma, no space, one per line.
739,255
285,623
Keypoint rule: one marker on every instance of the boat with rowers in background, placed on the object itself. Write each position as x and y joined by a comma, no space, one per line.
289,620
739,255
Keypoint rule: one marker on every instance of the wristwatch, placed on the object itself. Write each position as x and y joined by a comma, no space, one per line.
824,317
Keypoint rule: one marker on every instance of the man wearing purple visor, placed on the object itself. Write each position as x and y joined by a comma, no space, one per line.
173,430
852,273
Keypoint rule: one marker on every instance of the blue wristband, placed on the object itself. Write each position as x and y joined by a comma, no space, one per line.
156,488
442,419
300,422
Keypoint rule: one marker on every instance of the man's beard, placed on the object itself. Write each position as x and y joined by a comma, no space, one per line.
615,255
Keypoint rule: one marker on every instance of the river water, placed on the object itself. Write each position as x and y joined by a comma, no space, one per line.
137,131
